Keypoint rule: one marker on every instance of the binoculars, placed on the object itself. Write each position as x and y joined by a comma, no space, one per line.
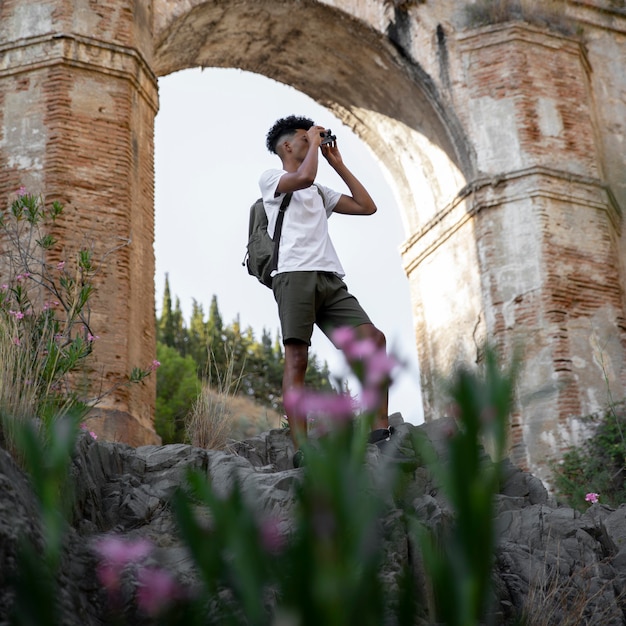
327,137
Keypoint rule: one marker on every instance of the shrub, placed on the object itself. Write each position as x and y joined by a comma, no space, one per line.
596,466
45,334
45,331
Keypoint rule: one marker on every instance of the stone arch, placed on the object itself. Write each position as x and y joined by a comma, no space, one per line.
415,135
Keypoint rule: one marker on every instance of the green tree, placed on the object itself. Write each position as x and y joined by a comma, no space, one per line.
165,324
215,337
177,388
257,365
197,339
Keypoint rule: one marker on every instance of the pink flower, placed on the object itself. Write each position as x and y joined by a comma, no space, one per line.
361,350
343,337
157,590
60,265
313,403
91,337
592,497
22,276
4,287
18,315
85,428
122,551
109,576
272,538
17,341
116,554
379,367
370,399
21,191
155,365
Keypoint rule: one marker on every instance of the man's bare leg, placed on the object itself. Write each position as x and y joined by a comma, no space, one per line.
296,361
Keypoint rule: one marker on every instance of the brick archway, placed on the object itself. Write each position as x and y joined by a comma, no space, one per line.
502,142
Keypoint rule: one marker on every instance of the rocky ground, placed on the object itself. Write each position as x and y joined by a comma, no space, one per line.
552,562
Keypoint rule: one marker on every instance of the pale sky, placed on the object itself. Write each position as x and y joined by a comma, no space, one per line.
210,151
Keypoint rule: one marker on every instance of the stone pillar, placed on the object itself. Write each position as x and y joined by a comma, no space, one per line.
533,240
77,107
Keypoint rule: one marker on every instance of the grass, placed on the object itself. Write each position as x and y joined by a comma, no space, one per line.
19,376
568,599
210,423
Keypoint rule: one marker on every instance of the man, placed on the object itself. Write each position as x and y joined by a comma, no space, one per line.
308,285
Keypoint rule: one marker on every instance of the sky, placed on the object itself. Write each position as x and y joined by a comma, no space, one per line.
209,154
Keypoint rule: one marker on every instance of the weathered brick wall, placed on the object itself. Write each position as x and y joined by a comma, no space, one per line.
78,106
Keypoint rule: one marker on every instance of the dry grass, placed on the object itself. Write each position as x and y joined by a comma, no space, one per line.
217,419
576,598
20,393
208,424
220,415
250,418
545,13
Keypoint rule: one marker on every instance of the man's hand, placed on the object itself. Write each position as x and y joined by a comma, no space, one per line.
331,153
314,135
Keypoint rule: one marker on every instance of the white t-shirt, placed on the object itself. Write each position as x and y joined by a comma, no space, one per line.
305,244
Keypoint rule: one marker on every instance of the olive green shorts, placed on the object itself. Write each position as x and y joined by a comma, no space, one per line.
308,298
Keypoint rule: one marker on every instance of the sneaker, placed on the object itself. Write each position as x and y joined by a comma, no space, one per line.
379,435
298,459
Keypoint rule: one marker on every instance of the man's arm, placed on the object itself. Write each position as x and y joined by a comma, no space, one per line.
306,171
360,202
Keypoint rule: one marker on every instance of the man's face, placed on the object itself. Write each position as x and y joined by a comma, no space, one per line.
299,143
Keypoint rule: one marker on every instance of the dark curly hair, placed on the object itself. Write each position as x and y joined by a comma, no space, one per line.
286,126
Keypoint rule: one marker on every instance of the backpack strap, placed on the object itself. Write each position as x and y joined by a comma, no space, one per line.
278,229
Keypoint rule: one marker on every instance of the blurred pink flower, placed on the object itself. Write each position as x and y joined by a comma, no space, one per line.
21,191
370,399
155,365
119,551
592,497
343,337
91,337
379,368
116,554
109,576
317,404
60,265
157,590
360,350
272,537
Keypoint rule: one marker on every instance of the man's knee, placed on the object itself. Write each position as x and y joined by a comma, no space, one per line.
296,355
369,331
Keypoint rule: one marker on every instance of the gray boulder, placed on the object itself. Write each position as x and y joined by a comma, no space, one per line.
549,561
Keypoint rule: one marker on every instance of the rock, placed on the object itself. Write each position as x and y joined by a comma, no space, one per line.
548,558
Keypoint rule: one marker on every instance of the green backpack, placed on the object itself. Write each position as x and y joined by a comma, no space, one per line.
262,251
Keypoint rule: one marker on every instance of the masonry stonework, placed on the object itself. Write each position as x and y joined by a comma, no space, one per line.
505,145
